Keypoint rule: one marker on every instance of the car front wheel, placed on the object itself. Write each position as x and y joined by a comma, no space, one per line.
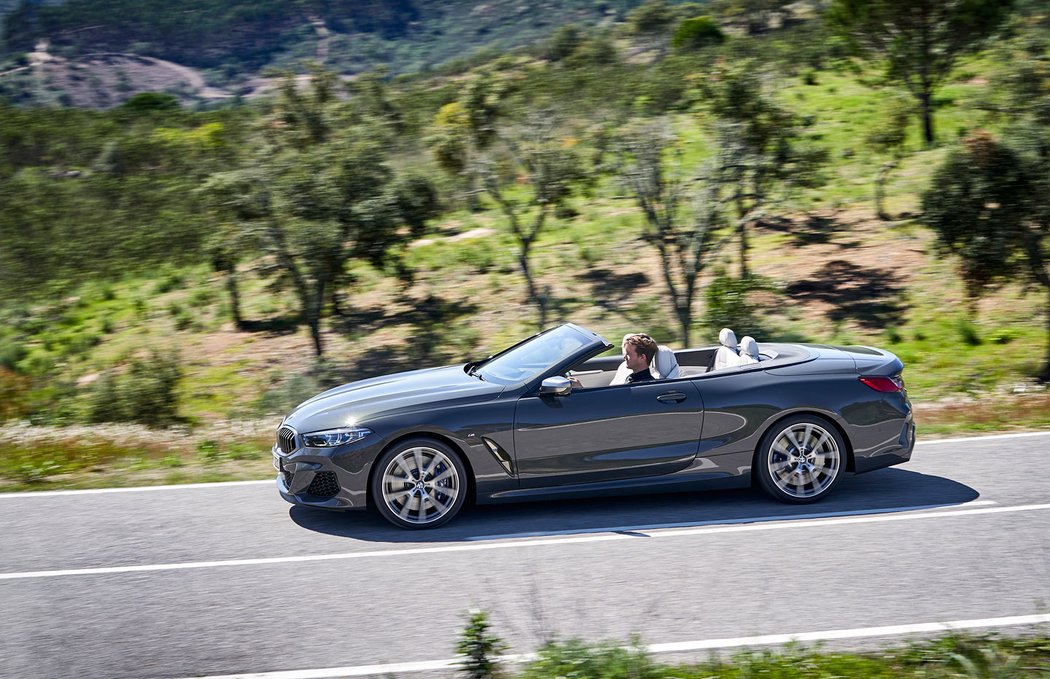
419,483
800,459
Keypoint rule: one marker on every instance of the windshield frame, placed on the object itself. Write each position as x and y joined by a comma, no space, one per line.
592,343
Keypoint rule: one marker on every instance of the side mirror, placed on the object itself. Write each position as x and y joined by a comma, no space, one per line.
556,386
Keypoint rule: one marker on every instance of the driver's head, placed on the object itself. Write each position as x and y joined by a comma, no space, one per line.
638,351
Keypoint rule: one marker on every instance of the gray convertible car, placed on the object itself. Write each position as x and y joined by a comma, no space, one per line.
791,418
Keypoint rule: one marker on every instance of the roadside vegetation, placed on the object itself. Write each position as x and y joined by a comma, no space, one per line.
681,169
949,656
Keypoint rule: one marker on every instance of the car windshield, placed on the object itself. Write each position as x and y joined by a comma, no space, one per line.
529,360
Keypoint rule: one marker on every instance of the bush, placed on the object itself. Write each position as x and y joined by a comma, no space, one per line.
13,390
730,303
144,393
480,649
575,658
696,33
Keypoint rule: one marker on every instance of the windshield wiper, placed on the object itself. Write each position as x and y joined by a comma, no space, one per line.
473,372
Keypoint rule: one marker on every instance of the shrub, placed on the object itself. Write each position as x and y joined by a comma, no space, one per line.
13,390
575,658
730,303
695,33
480,648
144,393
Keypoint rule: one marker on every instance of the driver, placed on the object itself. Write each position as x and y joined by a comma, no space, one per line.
638,352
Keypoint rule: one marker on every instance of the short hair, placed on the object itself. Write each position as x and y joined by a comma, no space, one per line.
643,344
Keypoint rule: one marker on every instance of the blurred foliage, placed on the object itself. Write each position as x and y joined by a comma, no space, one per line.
144,392
919,41
697,32
480,648
304,200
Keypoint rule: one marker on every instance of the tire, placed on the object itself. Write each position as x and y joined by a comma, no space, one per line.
408,501
800,459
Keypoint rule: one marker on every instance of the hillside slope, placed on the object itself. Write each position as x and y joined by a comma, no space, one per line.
241,37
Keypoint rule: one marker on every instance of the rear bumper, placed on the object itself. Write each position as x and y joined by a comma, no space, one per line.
898,454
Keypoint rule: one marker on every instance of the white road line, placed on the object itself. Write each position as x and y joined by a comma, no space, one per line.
674,647
725,522
536,542
134,489
992,437
220,484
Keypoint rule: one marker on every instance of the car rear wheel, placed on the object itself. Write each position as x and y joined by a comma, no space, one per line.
800,460
419,483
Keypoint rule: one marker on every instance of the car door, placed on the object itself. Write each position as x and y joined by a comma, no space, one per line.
616,432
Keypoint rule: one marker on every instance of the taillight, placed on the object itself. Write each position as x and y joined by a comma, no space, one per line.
885,384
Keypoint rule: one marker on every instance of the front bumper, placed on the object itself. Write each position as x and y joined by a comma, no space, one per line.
330,479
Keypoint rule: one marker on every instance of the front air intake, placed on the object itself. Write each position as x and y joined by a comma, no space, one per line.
324,484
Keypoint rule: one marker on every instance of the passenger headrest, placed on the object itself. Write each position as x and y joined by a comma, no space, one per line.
727,338
665,365
749,349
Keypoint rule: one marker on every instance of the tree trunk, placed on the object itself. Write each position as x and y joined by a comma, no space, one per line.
535,296
926,103
744,247
880,190
685,319
313,317
1045,375
235,298
315,334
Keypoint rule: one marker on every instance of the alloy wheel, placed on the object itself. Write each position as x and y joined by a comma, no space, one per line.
420,485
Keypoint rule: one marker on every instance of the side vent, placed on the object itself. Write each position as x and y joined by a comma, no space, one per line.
501,455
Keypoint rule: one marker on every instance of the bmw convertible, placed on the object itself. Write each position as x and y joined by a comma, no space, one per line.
548,418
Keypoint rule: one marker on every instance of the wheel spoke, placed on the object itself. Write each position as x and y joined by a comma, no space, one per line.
404,467
406,508
807,436
395,496
440,506
393,479
432,466
417,454
448,473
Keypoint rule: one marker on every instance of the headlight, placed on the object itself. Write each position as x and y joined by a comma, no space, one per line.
330,438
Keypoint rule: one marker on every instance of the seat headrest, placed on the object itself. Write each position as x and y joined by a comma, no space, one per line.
749,348
665,365
727,338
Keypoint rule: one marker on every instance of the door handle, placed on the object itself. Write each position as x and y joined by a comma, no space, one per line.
671,397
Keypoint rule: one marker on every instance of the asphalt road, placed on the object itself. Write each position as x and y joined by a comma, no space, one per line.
226,579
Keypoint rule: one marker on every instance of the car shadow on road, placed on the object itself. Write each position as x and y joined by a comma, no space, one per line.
883,491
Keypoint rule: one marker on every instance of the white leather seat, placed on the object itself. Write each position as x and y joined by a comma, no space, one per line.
622,372
749,351
727,355
665,365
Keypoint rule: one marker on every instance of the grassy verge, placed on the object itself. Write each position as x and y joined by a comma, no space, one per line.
101,456
948,656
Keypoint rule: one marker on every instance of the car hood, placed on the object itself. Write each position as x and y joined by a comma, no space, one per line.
358,402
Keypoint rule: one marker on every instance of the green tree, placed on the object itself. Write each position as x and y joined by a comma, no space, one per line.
548,170
755,15
321,195
686,243
919,41
652,20
888,138
761,149
564,42
696,33
987,204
